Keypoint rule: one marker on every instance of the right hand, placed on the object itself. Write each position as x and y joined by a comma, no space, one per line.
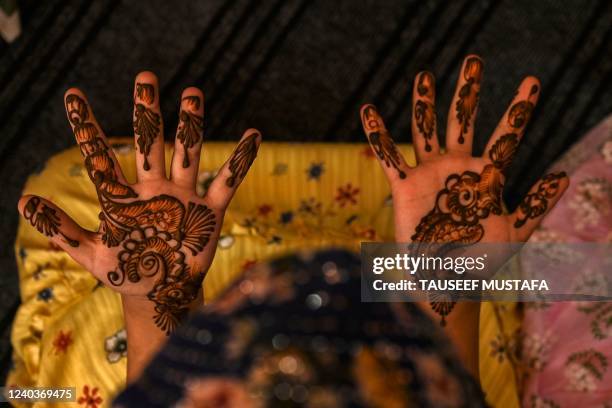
156,238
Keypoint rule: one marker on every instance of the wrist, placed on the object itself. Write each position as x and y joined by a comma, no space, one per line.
144,338
144,335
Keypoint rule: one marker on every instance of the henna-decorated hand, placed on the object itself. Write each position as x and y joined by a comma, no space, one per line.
455,197
157,238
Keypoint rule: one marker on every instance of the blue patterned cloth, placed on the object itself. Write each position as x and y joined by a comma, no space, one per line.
294,332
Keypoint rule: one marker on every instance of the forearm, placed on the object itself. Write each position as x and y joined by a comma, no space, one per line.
461,325
144,337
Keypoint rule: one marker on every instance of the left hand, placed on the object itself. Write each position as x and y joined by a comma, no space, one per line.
455,196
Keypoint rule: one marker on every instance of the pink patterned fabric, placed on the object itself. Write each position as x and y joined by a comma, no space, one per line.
566,348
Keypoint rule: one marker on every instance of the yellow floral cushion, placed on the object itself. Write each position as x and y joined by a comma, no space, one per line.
69,329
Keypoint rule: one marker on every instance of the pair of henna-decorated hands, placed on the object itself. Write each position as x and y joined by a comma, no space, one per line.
157,238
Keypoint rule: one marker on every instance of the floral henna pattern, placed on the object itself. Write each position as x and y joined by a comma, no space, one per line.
197,227
154,233
468,95
424,113
536,203
160,230
381,141
190,125
468,198
45,220
241,160
465,201
146,122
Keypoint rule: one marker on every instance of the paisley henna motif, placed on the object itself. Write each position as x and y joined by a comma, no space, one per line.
468,95
424,113
146,122
381,141
190,126
536,203
159,231
462,204
45,220
241,160
156,232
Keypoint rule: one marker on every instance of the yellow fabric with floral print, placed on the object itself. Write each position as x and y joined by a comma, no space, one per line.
68,332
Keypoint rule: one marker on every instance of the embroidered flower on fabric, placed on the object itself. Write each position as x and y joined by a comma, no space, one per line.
310,206
591,201
226,241
498,348
545,235
280,169
39,272
555,254
580,378
584,369
205,179
601,315
275,240
90,397
122,148
286,217
248,223
506,347
116,346
536,350
264,210
45,295
76,170
62,341
315,171
347,195
589,282
606,151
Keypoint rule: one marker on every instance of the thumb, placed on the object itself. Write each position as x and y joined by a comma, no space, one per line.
537,203
63,231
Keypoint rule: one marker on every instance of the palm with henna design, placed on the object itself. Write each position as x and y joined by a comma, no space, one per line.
455,197
157,237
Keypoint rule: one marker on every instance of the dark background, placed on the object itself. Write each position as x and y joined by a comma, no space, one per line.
296,70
